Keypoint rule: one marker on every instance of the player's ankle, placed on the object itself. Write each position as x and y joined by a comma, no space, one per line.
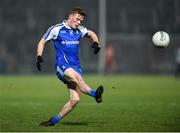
92,93
56,119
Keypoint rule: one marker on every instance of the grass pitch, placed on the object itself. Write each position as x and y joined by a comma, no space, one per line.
131,103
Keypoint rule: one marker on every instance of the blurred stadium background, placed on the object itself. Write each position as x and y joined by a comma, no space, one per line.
130,25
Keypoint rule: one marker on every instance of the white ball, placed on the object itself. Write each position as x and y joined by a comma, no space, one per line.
161,39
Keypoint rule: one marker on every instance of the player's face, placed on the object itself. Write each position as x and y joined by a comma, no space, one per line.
75,20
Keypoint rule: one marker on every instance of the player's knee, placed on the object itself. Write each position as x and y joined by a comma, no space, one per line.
74,101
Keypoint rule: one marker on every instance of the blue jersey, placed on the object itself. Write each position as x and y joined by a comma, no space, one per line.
66,43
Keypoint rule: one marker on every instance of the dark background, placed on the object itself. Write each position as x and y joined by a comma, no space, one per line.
130,26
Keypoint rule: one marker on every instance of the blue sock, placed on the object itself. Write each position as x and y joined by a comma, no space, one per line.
92,93
55,119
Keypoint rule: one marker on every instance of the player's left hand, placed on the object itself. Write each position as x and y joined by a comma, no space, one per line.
39,60
96,47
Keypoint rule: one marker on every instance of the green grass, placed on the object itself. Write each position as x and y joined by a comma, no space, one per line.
131,103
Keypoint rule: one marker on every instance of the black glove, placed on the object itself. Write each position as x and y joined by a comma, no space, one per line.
39,60
96,47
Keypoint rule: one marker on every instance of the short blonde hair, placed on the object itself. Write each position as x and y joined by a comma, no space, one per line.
77,10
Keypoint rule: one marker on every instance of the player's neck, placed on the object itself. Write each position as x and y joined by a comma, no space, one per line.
67,24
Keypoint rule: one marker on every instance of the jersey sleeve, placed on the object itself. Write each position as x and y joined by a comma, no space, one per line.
51,33
83,30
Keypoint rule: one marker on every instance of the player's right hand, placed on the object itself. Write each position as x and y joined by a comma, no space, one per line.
39,60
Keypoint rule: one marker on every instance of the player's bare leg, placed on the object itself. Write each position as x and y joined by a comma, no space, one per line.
72,75
74,93
70,105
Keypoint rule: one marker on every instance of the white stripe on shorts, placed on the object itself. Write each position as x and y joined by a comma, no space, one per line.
60,71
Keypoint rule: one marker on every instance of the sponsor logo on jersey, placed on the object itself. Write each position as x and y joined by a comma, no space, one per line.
62,31
69,42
